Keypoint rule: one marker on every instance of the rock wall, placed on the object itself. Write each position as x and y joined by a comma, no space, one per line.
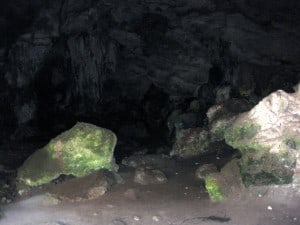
80,57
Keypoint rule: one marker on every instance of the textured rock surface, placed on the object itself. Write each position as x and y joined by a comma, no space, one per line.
88,187
225,184
268,138
221,116
203,171
147,176
81,56
191,142
149,161
78,151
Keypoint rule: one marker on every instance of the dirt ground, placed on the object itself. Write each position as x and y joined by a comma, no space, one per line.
181,201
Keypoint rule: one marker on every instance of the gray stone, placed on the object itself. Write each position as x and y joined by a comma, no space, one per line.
205,170
147,176
191,142
88,187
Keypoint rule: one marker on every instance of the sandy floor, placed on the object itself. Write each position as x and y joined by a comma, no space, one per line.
181,201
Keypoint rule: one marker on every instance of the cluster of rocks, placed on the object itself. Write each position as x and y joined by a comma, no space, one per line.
267,138
79,165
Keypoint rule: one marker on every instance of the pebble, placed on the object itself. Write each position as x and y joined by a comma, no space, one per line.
155,218
270,208
117,222
136,218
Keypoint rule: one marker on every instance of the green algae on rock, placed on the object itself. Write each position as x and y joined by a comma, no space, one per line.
221,116
78,151
213,188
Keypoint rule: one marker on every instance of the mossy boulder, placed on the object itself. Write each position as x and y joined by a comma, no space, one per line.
191,142
224,184
78,151
268,139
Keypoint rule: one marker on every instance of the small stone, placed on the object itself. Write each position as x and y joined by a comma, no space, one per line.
295,218
259,195
270,208
117,222
136,218
130,194
186,188
204,170
147,176
155,218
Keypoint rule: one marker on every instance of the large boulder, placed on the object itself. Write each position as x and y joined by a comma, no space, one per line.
78,151
268,137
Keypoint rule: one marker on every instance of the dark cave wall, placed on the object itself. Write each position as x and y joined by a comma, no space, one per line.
65,60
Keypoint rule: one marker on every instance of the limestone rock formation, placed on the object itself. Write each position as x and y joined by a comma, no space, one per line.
78,151
268,138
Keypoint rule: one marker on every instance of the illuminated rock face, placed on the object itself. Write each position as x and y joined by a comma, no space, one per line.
78,151
268,137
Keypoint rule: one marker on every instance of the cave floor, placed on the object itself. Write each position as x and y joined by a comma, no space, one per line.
181,201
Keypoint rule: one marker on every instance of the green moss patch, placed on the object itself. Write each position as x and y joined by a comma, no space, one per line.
238,137
213,188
